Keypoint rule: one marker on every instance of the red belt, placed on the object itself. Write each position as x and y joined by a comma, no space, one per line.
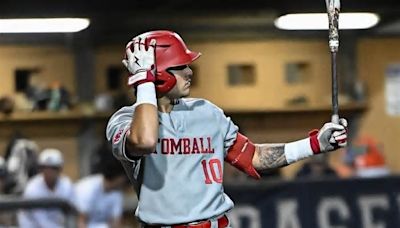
222,223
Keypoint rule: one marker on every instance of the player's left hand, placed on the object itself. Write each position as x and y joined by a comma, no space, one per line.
140,61
330,137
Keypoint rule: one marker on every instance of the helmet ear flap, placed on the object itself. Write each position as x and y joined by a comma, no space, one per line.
165,81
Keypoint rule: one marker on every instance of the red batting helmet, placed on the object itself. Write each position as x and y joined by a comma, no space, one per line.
171,51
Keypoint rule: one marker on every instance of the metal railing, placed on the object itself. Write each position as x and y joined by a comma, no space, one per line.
13,203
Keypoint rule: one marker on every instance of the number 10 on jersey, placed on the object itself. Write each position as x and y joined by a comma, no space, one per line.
212,171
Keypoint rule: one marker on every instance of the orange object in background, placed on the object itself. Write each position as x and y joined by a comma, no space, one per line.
372,157
369,160
363,158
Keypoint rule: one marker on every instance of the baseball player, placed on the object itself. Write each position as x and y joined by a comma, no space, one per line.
174,148
47,184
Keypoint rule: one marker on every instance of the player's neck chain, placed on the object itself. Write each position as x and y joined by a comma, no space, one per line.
175,101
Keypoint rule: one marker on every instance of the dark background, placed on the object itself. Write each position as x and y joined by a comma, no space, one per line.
111,21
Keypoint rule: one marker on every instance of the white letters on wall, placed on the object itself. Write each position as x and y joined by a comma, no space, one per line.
250,213
287,216
367,204
326,206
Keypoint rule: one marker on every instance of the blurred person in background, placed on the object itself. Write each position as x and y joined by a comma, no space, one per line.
99,197
21,161
6,219
316,167
100,154
3,175
59,98
52,97
49,183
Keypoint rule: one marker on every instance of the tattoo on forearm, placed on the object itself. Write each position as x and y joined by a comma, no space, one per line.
272,156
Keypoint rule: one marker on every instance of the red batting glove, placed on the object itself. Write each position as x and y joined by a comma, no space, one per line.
330,137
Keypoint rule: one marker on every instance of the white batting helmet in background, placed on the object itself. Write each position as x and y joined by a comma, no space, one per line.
51,157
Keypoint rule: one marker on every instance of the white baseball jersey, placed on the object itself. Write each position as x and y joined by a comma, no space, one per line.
99,205
39,218
182,180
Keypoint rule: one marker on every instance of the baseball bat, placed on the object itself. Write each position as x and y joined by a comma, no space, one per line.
333,9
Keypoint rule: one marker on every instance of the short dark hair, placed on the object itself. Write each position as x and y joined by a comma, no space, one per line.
111,168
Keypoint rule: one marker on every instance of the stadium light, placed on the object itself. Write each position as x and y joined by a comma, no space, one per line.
319,21
43,25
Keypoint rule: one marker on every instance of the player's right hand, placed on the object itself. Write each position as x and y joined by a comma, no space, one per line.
140,61
330,137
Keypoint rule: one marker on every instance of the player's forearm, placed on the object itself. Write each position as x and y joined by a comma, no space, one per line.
144,129
330,137
144,126
269,156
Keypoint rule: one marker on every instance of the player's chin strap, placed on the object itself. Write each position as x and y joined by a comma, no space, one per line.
240,155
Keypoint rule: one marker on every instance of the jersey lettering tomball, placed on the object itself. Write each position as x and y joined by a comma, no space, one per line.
182,180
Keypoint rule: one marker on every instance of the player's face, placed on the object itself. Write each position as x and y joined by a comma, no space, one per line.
183,75
51,174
